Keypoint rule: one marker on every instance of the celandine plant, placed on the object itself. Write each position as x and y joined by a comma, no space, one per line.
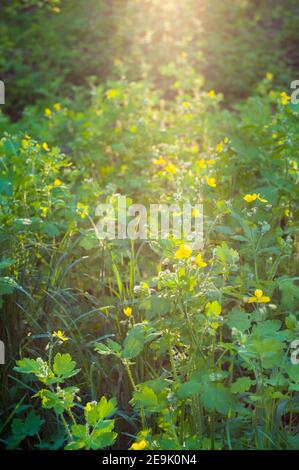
131,317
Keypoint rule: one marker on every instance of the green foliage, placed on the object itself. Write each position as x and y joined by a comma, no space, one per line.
96,433
197,348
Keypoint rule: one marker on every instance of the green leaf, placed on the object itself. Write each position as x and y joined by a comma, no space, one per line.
226,255
100,440
6,263
134,342
139,335
238,319
33,423
21,429
293,372
61,400
37,367
241,385
114,346
106,407
216,397
7,285
188,389
102,435
289,293
104,350
64,366
145,398
50,229
95,412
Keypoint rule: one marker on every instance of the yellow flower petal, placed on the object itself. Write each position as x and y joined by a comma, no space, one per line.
264,299
200,262
159,161
60,335
258,293
250,197
201,163
194,149
112,94
128,311
258,297
139,445
183,252
212,94
213,309
186,104
171,169
195,212
211,181
284,98
219,147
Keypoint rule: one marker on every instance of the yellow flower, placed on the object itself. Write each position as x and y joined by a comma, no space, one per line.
287,212
213,309
117,62
253,197
183,252
57,106
219,147
194,149
56,183
48,112
139,445
88,406
45,146
159,161
259,297
195,212
215,325
171,168
112,93
212,94
250,197
269,76
200,262
211,161
82,209
284,98
60,335
128,311
44,211
186,104
211,182
201,163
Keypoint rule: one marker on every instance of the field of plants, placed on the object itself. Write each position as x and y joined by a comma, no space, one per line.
149,343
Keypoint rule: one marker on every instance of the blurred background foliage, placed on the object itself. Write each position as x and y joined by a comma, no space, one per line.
64,46
161,101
